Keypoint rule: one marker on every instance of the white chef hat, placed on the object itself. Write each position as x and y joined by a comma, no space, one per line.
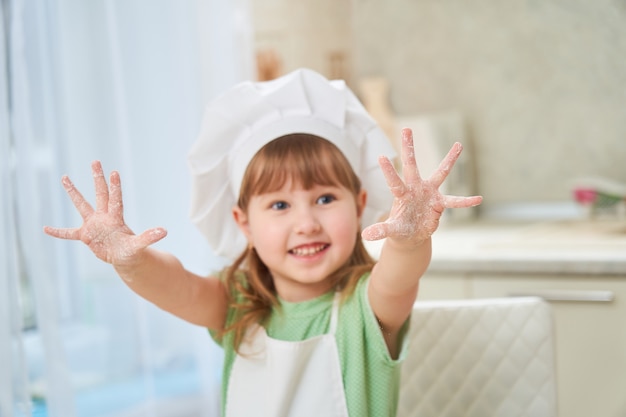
240,122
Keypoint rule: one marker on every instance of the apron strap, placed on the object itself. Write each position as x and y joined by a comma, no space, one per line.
334,316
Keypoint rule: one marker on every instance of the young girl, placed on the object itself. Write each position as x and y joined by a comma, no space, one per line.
310,324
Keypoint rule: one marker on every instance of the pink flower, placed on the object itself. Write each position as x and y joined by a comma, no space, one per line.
585,195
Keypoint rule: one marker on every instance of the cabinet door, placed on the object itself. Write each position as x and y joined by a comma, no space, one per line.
590,339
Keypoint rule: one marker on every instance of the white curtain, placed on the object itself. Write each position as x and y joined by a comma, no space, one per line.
125,82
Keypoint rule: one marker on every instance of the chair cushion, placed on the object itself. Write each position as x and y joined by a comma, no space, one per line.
480,358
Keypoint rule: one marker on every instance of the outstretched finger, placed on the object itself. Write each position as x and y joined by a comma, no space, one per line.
410,170
102,190
70,234
440,175
376,231
116,205
83,207
394,182
461,202
151,236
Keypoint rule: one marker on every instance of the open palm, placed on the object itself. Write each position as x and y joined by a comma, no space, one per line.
418,204
103,228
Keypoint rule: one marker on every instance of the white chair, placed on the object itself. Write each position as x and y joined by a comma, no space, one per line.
480,358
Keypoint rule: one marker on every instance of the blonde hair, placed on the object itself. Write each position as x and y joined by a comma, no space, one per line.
306,160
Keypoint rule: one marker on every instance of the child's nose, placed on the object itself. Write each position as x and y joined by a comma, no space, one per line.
307,223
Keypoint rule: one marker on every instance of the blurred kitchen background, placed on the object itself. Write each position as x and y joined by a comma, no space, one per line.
535,90
536,87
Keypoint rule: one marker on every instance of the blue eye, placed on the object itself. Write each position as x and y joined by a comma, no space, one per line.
326,199
279,205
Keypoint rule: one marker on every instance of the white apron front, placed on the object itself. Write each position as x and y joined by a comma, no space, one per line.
277,378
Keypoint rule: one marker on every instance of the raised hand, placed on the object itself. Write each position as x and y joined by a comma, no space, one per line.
418,204
104,229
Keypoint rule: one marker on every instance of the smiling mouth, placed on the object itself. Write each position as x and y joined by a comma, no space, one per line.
308,250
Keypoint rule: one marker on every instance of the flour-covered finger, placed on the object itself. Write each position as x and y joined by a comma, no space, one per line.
376,231
394,182
410,171
150,236
440,175
116,204
63,233
102,190
83,207
450,201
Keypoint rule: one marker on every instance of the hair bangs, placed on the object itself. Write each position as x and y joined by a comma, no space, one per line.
301,159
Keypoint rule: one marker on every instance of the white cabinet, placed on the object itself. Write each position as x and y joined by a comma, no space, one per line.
590,335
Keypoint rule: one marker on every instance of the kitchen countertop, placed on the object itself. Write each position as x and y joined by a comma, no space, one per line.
589,247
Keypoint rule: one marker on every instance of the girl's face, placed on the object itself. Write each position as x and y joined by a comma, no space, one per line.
302,235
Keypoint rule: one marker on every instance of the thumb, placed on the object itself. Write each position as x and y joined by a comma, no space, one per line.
376,231
151,236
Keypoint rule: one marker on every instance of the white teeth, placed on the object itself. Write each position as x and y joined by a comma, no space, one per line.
308,251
